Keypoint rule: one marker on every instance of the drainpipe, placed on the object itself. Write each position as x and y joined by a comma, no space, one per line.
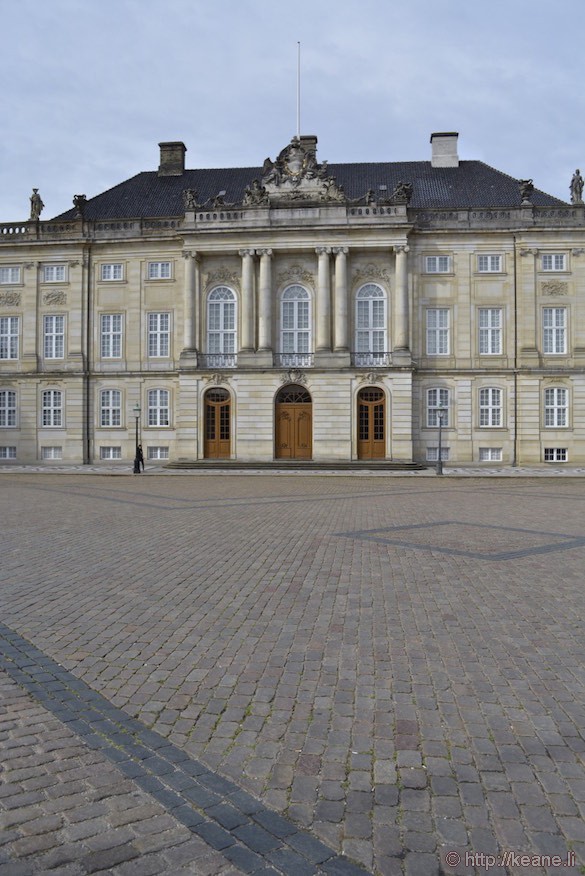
515,435
88,358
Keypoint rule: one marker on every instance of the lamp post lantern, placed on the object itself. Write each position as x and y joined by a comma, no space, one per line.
440,414
136,411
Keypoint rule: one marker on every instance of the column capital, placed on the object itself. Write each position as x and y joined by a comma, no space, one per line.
264,252
246,252
340,250
323,250
192,254
402,247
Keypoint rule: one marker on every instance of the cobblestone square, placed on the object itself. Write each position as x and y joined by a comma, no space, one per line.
388,668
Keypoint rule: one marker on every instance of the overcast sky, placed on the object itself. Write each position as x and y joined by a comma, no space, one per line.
90,87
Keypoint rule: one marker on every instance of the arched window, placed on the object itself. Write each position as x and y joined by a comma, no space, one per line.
296,326
221,327
371,340
490,406
158,407
110,407
52,405
7,407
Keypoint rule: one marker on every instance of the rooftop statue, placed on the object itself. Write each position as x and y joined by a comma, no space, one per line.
36,205
577,188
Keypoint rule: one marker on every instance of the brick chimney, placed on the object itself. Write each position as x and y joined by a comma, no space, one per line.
172,159
444,150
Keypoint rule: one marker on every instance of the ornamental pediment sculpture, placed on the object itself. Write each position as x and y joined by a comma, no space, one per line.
555,287
296,175
9,299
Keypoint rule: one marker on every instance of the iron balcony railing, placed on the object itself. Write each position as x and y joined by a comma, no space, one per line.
294,360
371,360
218,360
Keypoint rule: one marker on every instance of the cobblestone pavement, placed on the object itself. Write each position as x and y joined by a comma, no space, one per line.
394,665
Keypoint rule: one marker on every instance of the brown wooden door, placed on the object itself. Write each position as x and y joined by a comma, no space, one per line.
294,424
371,424
217,441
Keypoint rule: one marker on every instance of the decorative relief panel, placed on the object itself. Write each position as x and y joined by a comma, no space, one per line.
55,296
370,273
370,377
217,379
223,275
9,299
555,287
295,375
296,274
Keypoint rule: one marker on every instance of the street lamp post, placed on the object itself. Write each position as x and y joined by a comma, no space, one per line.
136,410
440,415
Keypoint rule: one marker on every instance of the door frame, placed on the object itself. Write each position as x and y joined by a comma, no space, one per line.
203,421
300,404
387,417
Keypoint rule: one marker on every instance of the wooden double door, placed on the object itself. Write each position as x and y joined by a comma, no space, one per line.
218,416
371,423
293,423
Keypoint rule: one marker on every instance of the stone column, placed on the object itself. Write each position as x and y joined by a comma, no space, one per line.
247,317
323,300
341,300
265,300
401,327
191,296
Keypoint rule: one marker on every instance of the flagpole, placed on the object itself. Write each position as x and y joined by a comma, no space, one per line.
298,91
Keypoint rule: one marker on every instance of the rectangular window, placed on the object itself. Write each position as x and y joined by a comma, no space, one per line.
554,329
158,453
438,332
158,334
158,407
110,407
110,453
54,337
555,454
52,408
490,454
489,264
490,331
7,408
7,452
9,275
51,453
159,270
9,330
111,273
111,335
54,274
438,264
437,407
554,261
556,401
433,454
490,407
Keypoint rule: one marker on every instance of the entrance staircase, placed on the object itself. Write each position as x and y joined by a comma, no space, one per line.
363,465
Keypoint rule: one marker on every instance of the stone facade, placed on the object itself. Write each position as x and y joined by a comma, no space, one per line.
391,306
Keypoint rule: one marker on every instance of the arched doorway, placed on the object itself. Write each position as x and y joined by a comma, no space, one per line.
217,438
371,423
294,423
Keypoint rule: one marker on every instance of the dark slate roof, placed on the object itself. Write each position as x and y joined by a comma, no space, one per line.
471,185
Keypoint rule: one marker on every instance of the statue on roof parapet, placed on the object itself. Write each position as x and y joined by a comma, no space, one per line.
402,193
190,199
576,188
255,194
526,191
79,202
36,205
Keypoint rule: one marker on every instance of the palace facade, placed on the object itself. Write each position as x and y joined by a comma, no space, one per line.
298,310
